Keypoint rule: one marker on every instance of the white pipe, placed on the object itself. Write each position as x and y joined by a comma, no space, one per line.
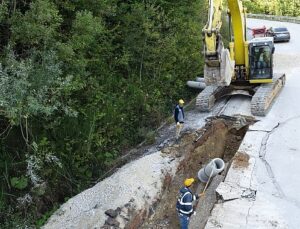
196,84
200,79
214,167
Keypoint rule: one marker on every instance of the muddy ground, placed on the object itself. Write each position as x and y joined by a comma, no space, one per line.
216,140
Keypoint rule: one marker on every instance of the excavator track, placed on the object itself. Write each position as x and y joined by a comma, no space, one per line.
265,95
261,100
206,99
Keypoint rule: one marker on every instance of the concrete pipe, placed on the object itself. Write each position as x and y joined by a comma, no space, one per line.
196,84
200,79
214,167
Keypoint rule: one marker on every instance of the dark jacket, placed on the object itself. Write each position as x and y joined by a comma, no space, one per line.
179,114
185,200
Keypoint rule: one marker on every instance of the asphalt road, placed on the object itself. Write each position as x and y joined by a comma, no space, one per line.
282,151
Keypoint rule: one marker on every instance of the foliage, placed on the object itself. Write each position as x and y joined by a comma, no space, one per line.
40,222
31,86
38,25
19,182
80,84
274,7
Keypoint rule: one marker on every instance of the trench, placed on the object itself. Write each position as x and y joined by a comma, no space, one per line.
219,138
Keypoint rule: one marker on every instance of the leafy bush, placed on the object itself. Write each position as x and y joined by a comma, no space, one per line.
274,7
19,182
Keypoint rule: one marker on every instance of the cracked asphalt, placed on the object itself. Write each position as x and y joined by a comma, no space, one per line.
273,146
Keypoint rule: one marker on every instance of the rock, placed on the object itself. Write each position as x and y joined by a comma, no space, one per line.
111,213
118,210
112,222
124,214
128,205
60,212
163,144
171,159
177,154
165,150
105,227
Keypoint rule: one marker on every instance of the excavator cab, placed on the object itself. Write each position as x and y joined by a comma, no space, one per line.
261,60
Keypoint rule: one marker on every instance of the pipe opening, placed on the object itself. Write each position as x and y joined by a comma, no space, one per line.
219,163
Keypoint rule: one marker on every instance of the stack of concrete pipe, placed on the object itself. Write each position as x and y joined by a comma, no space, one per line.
198,84
213,168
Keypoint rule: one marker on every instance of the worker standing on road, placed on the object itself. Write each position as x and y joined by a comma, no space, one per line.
184,203
179,117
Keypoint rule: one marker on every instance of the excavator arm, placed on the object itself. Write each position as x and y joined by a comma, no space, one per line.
211,31
239,48
219,62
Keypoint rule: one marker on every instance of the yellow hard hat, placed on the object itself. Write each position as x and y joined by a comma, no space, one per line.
181,101
188,182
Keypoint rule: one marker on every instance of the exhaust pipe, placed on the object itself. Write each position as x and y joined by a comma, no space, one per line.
213,168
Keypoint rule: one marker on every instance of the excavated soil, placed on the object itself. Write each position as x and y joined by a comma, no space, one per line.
216,140
241,160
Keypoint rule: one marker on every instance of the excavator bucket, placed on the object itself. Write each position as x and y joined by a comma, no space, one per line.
219,75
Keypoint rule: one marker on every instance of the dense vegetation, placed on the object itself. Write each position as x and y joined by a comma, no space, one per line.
274,7
81,82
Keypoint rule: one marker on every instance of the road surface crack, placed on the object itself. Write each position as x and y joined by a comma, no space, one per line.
263,151
248,214
262,155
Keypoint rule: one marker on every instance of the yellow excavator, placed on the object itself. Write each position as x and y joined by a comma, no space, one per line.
246,67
